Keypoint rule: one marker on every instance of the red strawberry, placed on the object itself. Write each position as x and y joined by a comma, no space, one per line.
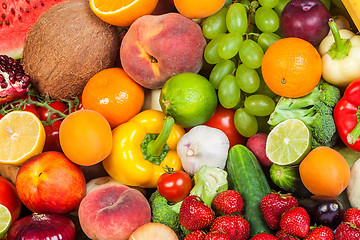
195,235
227,203
352,215
274,205
264,236
282,235
295,221
216,236
320,233
234,225
194,214
347,231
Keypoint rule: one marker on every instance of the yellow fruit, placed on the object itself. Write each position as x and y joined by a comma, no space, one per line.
22,136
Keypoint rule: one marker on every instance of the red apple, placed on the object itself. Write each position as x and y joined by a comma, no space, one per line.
9,198
50,183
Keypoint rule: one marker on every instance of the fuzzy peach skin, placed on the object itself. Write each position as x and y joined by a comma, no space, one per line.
113,212
156,48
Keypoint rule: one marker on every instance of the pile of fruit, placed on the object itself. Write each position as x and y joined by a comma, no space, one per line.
180,119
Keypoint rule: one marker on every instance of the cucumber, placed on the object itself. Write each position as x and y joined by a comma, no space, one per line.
246,176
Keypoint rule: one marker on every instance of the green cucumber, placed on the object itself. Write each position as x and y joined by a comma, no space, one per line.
247,177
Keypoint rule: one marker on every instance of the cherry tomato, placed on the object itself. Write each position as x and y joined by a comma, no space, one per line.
57,105
174,186
9,198
52,141
223,119
31,109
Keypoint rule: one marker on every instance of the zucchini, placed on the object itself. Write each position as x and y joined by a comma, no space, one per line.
246,176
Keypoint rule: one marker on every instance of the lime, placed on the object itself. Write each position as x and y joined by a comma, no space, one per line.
288,142
5,220
189,98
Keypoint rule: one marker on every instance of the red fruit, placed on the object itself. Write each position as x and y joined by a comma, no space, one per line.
274,205
194,214
352,215
347,231
296,221
264,236
234,225
195,235
216,236
227,203
320,233
282,235
13,81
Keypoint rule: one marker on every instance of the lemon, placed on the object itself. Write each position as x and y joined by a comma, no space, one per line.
5,220
288,142
189,98
22,136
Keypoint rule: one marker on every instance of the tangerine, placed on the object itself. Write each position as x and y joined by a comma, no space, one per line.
114,94
198,8
291,67
122,12
85,137
325,172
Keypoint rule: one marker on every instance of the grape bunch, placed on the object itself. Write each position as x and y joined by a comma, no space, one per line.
238,35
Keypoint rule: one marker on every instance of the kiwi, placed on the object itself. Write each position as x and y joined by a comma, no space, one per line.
66,46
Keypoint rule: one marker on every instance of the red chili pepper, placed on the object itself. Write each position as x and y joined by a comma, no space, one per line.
347,115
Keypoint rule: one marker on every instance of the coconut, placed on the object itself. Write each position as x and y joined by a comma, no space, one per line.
66,46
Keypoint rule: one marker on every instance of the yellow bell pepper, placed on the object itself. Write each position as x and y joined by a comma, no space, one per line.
142,148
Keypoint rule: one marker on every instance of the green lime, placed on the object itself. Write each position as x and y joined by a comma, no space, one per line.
288,142
5,220
189,98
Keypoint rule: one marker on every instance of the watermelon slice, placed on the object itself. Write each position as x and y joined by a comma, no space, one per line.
16,19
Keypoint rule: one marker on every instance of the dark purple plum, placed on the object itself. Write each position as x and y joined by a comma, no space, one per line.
305,19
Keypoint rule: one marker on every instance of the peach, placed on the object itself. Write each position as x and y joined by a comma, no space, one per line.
113,211
157,47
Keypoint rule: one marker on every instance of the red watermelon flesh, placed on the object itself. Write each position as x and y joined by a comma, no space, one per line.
16,19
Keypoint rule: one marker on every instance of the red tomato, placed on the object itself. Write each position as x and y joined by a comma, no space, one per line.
57,105
174,186
223,119
24,97
52,140
9,198
31,109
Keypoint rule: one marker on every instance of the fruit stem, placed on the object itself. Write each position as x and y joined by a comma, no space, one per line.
341,47
155,147
355,133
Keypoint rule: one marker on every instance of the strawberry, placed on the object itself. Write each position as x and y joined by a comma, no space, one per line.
228,202
234,225
320,233
295,221
195,235
194,214
264,236
352,215
282,235
347,231
274,205
216,236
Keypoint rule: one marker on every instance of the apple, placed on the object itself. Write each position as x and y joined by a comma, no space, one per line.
9,198
50,183
157,47
305,19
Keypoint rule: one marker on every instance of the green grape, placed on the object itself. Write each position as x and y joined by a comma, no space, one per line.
227,3
279,8
215,24
259,105
236,18
263,88
220,70
229,93
229,45
211,55
251,54
269,3
266,19
266,39
247,79
245,123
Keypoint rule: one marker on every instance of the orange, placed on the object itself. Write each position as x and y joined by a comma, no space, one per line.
122,12
198,8
114,94
85,137
325,172
291,67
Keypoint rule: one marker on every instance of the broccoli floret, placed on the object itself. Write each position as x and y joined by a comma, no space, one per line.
315,110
